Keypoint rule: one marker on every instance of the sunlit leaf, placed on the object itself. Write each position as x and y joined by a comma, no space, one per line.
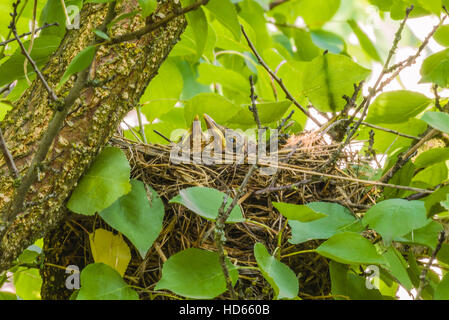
110,249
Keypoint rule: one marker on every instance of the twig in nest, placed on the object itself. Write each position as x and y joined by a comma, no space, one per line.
289,96
220,225
425,270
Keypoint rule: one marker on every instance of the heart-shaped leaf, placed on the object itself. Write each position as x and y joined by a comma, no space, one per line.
195,273
105,181
279,276
110,249
101,282
136,217
350,248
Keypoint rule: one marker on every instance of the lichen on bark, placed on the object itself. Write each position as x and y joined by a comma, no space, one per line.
95,116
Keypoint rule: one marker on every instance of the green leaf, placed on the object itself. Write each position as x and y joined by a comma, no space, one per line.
228,78
206,202
105,181
4,108
226,13
101,34
350,248
101,282
364,41
445,203
395,217
12,68
196,274
307,49
338,219
324,85
397,106
148,7
432,175
347,284
327,40
317,12
397,266
28,283
110,249
137,218
426,236
435,69
159,97
438,120
53,12
7,296
279,276
82,60
431,157
298,212
215,105
442,290
269,112
197,20
442,35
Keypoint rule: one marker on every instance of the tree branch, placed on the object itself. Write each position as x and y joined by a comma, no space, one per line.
278,80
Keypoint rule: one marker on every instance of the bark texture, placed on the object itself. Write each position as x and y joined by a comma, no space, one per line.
93,119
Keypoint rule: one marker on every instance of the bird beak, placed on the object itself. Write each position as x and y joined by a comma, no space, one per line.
217,129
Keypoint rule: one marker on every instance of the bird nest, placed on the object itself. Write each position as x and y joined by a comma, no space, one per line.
297,181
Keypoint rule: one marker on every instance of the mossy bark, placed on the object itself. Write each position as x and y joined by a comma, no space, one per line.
93,119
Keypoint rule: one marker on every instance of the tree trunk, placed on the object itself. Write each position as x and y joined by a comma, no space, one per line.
93,119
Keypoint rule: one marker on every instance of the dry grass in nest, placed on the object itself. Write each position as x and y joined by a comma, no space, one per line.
183,229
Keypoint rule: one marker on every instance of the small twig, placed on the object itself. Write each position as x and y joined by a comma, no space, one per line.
422,278
162,136
30,47
286,187
289,96
253,107
151,27
364,105
284,121
13,28
276,3
223,215
8,157
437,97
402,160
390,131
45,25
141,129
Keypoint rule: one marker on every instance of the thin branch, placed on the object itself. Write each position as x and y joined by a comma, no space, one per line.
390,131
253,107
220,225
162,136
151,27
284,121
141,129
276,3
289,96
13,28
364,105
30,47
8,157
45,25
425,270
402,160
